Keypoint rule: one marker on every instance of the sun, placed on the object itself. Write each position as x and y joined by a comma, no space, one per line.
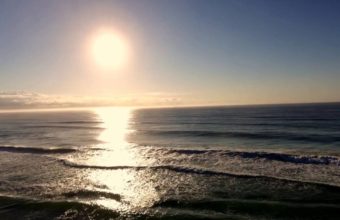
110,50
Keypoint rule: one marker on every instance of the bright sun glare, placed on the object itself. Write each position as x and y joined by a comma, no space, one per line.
110,50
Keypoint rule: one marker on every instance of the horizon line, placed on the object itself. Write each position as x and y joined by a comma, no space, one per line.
156,107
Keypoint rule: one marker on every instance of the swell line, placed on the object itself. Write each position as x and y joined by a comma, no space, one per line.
35,150
180,169
64,127
191,170
283,157
325,139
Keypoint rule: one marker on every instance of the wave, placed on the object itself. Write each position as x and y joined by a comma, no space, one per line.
63,127
4,135
297,159
35,150
22,208
294,118
89,194
190,170
318,138
281,124
264,209
78,122
171,208
180,169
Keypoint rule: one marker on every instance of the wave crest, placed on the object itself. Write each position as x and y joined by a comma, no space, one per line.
35,150
283,157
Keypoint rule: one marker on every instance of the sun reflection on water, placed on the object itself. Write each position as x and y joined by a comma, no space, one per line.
116,125
115,152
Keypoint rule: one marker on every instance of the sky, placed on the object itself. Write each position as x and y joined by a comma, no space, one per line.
182,52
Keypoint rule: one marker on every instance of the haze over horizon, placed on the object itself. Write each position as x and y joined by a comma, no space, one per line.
168,53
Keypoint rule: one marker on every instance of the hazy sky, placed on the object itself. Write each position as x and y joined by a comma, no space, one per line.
183,52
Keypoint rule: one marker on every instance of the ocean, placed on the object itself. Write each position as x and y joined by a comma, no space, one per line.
236,162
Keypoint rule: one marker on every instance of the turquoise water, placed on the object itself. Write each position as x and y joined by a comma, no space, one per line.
246,162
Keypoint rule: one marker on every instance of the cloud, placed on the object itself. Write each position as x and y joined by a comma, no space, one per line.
29,100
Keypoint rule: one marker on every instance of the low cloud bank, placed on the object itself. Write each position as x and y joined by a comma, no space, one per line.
29,100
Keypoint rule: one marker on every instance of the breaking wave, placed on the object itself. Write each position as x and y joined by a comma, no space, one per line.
297,159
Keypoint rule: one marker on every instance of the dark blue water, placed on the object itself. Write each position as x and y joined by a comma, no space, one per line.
240,162
315,126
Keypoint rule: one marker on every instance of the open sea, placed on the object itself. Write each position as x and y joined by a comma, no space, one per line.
238,162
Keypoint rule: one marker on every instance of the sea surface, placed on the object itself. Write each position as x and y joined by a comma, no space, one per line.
237,162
